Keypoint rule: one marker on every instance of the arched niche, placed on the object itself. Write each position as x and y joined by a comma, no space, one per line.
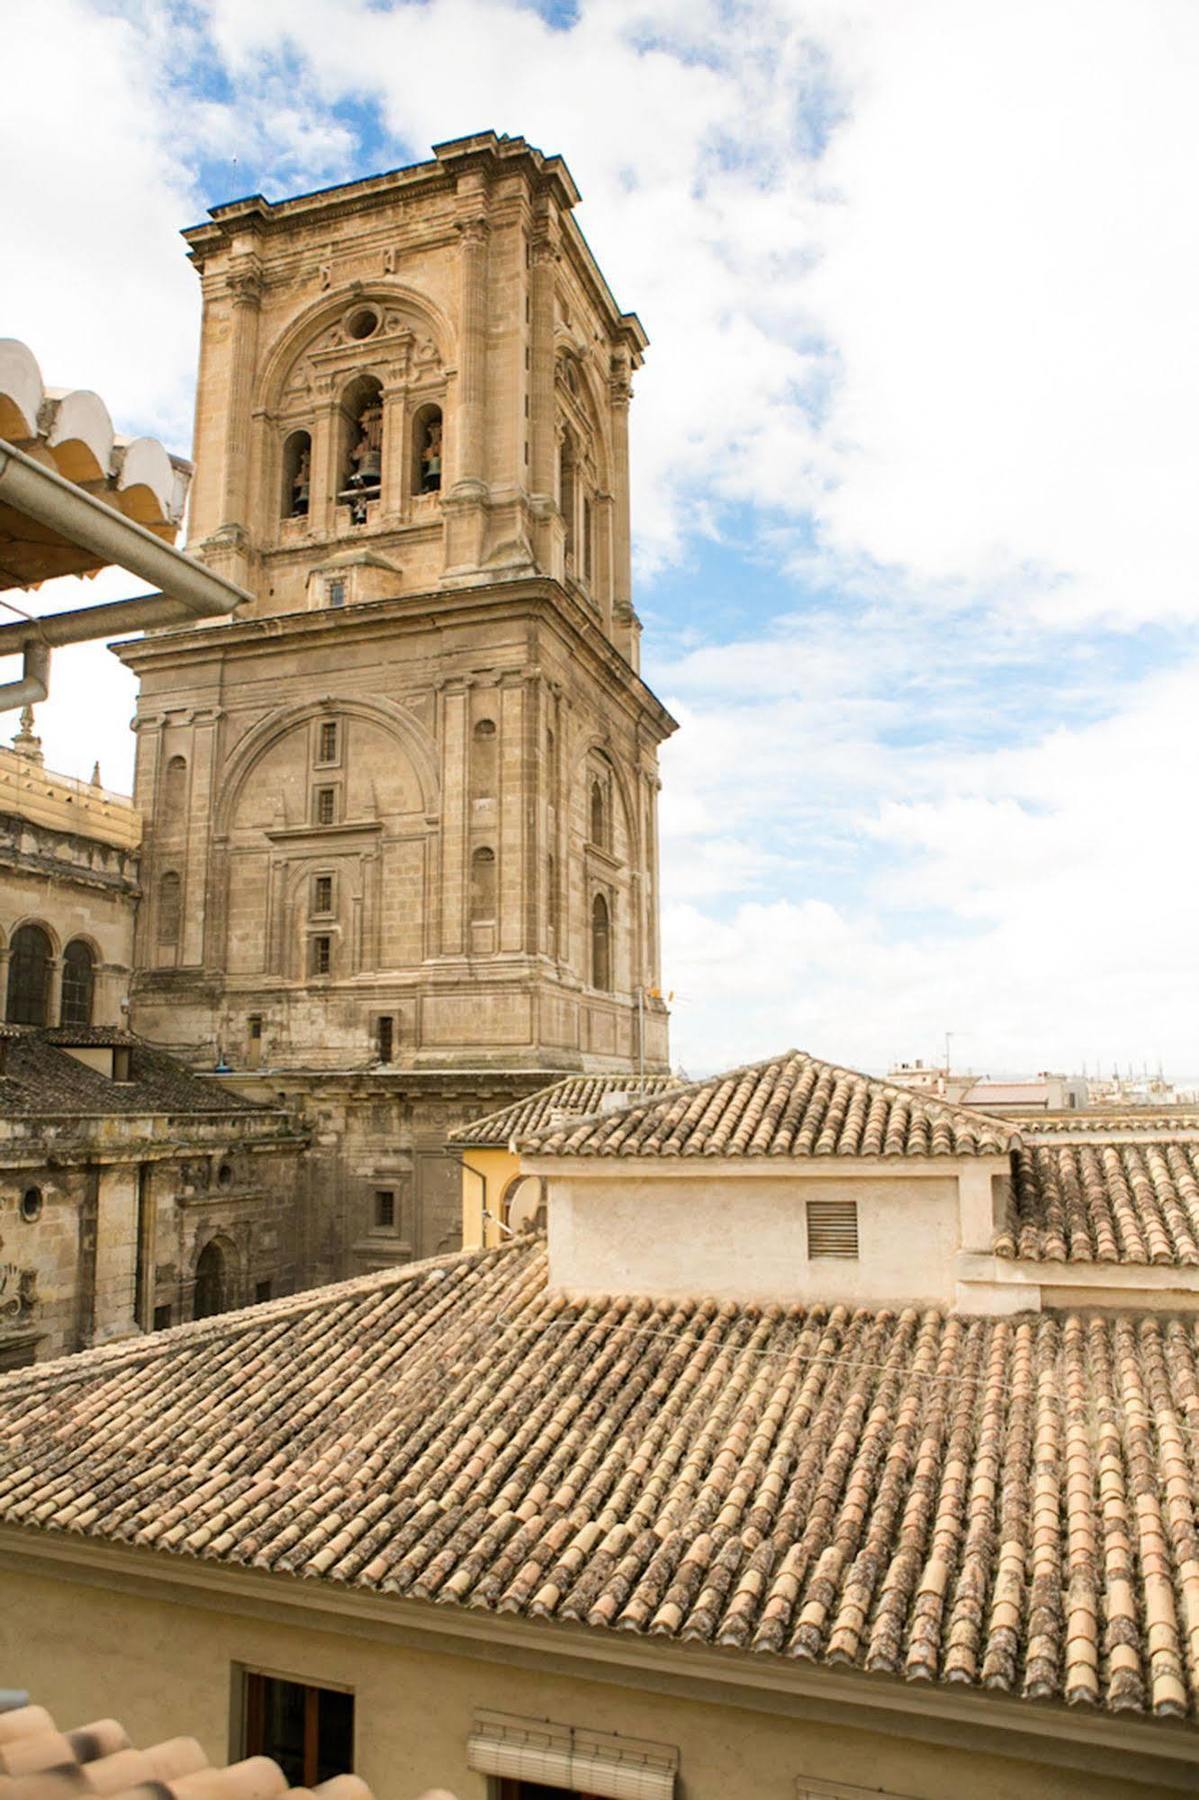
249,764
601,943
215,1289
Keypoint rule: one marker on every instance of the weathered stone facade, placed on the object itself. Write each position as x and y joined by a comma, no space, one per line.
401,814
113,1222
68,869
123,1177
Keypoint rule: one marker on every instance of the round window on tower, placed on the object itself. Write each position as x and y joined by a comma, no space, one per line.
363,322
31,1205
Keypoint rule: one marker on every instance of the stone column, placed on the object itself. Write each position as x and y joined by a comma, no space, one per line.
512,806
228,548
620,392
455,734
116,1252
54,991
196,925
323,472
465,505
543,440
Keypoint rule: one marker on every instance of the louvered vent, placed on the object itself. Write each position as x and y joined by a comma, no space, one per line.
833,1228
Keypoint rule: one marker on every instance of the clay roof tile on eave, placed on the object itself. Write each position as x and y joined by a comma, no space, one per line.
999,1503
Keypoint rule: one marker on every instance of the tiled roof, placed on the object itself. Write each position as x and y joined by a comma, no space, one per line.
40,1078
40,1762
1002,1503
1132,1202
791,1105
578,1096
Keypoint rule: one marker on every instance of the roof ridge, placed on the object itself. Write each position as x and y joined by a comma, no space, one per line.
937,1107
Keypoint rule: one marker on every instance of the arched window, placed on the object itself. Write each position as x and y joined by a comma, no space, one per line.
174,792
483,761
361,460
297,472
426,450
78,981
482,886
29,977
212,1282
601,944
169,908
566,491
599,815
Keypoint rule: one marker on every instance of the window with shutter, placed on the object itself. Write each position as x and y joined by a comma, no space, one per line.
833,1229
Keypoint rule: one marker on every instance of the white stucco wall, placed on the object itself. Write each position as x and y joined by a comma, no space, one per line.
738,1231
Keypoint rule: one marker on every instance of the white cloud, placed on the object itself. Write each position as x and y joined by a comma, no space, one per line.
921,283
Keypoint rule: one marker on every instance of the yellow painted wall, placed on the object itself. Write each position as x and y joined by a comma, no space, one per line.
164,1669
485,1176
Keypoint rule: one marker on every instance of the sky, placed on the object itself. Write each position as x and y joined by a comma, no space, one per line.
915,455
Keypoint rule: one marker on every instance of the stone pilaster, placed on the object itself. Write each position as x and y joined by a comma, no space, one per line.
227,549
465,504
543,444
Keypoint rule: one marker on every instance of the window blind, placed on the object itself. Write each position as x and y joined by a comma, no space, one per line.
600,1763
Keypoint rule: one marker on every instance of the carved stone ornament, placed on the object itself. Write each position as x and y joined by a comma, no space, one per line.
18,1295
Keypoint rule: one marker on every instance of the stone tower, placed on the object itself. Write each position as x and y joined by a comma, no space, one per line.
401,851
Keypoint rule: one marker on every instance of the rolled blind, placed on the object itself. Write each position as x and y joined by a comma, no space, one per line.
600,1763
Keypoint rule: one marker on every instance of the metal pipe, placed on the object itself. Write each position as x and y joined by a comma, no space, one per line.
43,494
34,682
87,622
189,590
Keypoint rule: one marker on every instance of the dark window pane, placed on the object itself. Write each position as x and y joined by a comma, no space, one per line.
335,1737
77,965
308,1731
28,976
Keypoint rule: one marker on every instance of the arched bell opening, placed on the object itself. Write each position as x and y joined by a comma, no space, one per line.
426,450
360,433
297,475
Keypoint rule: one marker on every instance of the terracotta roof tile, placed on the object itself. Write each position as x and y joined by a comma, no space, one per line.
41,1076
1130,1202
577,1097
39,1762
1002,1503
791,1105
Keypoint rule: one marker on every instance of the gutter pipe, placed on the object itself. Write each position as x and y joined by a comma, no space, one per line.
189,591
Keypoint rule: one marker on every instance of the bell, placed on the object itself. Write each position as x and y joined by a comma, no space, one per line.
370,467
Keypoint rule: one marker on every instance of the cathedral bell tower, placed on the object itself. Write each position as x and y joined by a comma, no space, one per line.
401,811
